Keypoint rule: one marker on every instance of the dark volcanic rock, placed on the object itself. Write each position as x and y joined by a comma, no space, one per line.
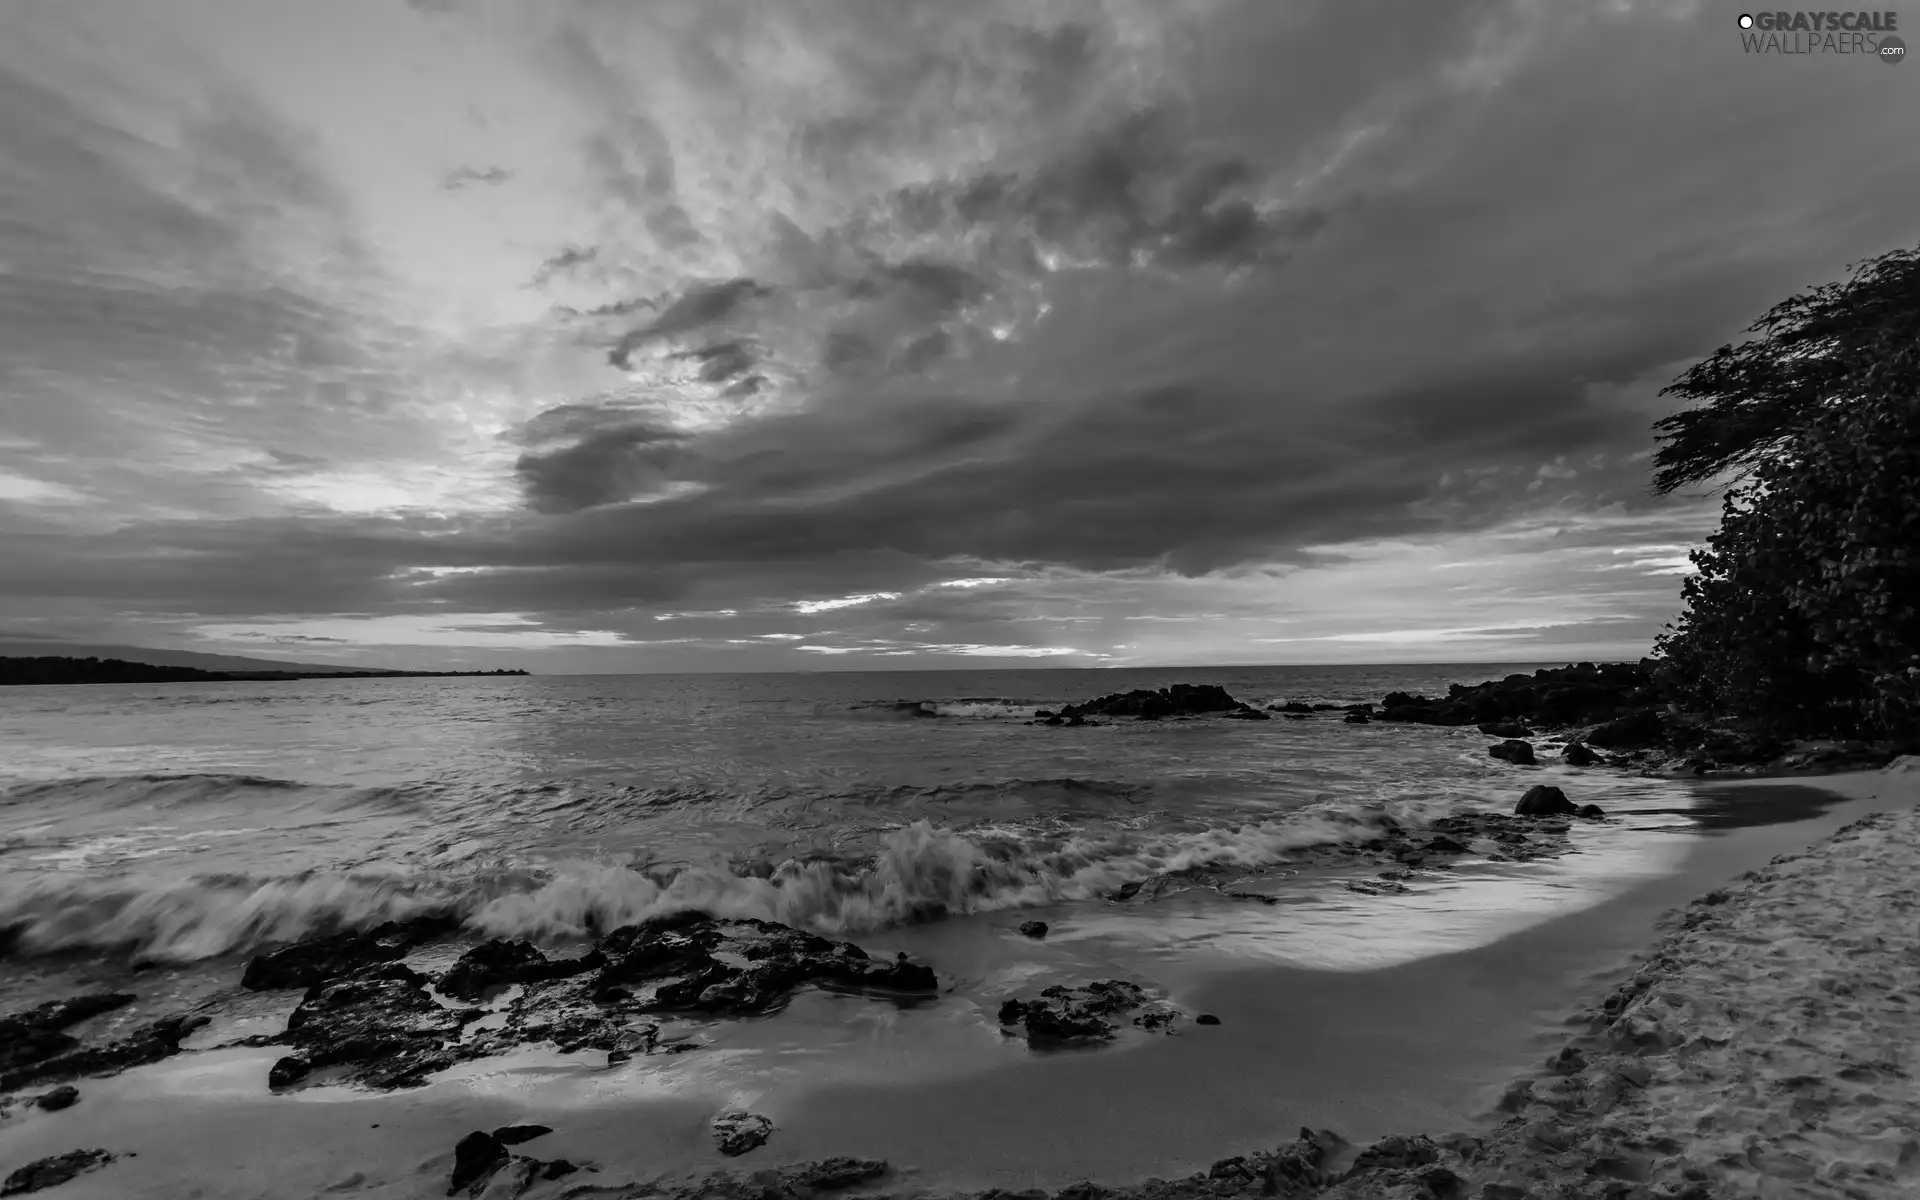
1514,751
513,1135
1180,700
1577,755
37,1035
64,1096
1543,800
693,961
1506,729
1033,929
1592,812
1291,706
1358,718
46,1172
499,964
1248,714
737,1131
148,1043
1632,732
380,1024
1206,1019
832,1174
1079,1014
304,964
477,1156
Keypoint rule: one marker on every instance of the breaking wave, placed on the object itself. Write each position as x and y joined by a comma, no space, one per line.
916,872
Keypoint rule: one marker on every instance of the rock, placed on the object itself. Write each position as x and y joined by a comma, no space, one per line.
64,1096
513,1135
1358,718
1544,800
1506,729
1033,929
148,1043
1514,751
1206,1019
742,967
306,963
832,1174
737,1131
36,1034
1636,731
476,1157
1292,706
1079,1014
1592,812
499,963
380,1023
1297,717
47,1172
1446,845
1577,755
1182,699
1248,714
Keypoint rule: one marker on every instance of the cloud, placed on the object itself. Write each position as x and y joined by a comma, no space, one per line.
466,177
1148,330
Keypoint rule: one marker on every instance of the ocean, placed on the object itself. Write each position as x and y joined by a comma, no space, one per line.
181,822
152,837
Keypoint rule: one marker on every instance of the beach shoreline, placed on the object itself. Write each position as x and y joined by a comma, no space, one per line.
212,1089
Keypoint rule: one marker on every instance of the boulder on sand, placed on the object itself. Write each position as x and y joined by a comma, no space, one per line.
1543,800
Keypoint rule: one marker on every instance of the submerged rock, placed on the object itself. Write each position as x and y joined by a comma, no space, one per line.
46,1172
1514,751
64,1096
1358,717
1033,929
832,1174
737,1131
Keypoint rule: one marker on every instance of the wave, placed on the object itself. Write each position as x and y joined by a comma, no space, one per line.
977,707
917,871
104,793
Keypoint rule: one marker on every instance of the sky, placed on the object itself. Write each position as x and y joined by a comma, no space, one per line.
768,335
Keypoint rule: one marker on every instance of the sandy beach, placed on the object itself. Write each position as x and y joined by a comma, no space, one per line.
1757,1051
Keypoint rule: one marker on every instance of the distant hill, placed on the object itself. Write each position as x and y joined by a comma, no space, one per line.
55,669
178,658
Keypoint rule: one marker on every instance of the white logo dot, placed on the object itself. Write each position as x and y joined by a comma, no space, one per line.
1746,22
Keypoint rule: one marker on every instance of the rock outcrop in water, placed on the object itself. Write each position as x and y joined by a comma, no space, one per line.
1625,708
381,1025
1180,700
37,1050
316,960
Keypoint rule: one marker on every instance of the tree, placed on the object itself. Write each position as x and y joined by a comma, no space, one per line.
1805,614
1814,350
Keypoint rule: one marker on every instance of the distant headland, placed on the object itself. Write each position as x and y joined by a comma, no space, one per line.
64,669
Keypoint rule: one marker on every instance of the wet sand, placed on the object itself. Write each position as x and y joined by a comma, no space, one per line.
1423,1045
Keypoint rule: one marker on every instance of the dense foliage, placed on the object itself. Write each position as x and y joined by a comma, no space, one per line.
1805,614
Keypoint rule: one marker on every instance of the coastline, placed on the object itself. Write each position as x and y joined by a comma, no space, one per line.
1526,983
